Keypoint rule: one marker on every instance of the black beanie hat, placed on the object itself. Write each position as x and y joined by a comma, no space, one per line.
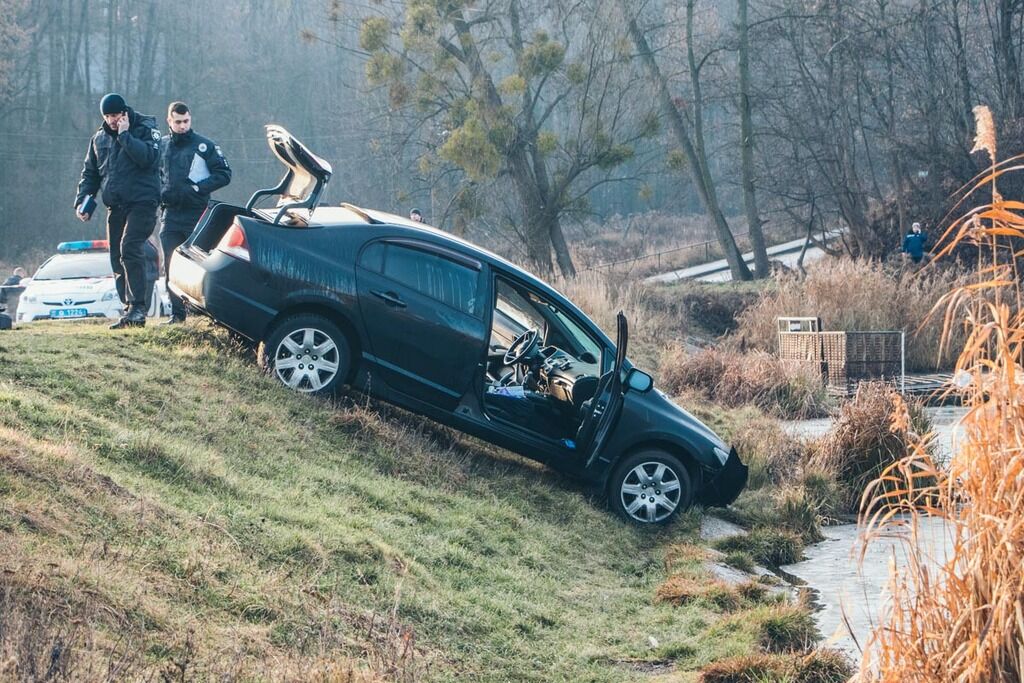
112,103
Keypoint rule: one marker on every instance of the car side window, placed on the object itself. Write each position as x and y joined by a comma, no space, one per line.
372,257
433,275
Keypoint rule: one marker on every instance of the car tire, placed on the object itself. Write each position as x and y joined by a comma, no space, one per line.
290,354
650,488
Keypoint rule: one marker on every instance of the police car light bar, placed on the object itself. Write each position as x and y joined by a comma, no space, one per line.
83,245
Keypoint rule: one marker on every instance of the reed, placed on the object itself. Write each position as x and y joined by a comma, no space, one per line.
961,617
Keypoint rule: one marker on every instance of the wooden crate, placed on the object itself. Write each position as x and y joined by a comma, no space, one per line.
845,358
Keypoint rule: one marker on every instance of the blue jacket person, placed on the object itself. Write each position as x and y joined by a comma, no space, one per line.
121,165
191,168
913,243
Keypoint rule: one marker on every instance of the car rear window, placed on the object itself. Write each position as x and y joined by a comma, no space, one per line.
76,266
450,283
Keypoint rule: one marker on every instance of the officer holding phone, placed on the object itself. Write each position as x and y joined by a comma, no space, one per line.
121,164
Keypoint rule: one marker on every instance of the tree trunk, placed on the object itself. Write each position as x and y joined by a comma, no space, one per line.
1007,70
562,254
529,176
761,266
705,186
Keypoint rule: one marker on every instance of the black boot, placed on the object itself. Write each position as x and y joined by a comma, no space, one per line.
174,320
136,317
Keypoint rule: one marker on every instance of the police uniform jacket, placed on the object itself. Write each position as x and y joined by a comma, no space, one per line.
123,167
191,167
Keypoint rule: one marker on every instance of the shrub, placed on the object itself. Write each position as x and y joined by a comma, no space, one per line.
710,308
773,455
781,388
680,589
737,559
822,666
747,669
770,547
871,432
849,294
787,628
817,666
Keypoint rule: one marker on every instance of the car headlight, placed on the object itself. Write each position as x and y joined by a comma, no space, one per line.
109,296
722,455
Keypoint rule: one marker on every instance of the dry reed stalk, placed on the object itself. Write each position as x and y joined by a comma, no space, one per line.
961,618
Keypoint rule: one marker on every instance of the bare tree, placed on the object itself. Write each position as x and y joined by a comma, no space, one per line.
689,138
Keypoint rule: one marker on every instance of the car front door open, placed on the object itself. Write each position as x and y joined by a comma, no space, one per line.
606,404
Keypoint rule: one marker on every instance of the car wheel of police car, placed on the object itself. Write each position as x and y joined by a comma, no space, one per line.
307,353
650,487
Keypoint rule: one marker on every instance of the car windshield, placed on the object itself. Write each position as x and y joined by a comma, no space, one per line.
75,266
584,340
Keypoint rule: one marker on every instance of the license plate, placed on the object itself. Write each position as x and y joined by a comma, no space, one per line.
68,312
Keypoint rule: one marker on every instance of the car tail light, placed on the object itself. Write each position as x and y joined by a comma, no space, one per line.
233,243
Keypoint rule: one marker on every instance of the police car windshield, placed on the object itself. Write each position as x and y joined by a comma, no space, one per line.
75,266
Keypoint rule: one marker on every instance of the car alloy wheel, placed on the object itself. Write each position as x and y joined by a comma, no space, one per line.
307,353
650,492
306,360
650,487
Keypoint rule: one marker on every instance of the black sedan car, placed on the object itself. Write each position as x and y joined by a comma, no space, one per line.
340,295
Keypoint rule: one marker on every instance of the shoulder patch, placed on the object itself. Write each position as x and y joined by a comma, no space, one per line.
202,146
156,134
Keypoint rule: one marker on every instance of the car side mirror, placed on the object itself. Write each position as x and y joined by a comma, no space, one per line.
638,380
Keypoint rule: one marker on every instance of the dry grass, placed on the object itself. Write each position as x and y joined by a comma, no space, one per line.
681,589
866,439
601,296
781,388
774,456
770,547
852,294
961,618
55,625
817,666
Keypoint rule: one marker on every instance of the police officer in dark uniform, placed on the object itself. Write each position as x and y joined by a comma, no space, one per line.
191,167
122,163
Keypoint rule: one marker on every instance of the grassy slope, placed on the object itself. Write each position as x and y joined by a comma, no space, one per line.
163,499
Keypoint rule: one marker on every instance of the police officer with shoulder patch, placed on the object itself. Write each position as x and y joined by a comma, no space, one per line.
191,167
122,163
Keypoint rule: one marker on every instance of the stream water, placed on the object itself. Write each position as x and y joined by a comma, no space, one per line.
853,592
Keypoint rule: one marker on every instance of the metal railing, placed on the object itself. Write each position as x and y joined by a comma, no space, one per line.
706,245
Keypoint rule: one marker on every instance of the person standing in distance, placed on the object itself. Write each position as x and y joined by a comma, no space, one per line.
121,163
913,243
191,167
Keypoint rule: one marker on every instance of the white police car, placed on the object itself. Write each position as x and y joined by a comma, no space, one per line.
78,282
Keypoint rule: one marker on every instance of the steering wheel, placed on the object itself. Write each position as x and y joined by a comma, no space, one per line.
523,345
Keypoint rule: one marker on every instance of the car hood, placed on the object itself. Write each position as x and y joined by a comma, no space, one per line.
86,284
666,413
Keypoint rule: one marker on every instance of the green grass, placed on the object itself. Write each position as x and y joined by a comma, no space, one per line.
189,514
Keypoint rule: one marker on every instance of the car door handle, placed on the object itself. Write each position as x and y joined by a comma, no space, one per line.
389,298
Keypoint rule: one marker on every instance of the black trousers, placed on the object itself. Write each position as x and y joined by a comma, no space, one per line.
175,227
128,228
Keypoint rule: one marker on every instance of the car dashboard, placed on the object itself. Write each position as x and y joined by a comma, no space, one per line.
566,378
